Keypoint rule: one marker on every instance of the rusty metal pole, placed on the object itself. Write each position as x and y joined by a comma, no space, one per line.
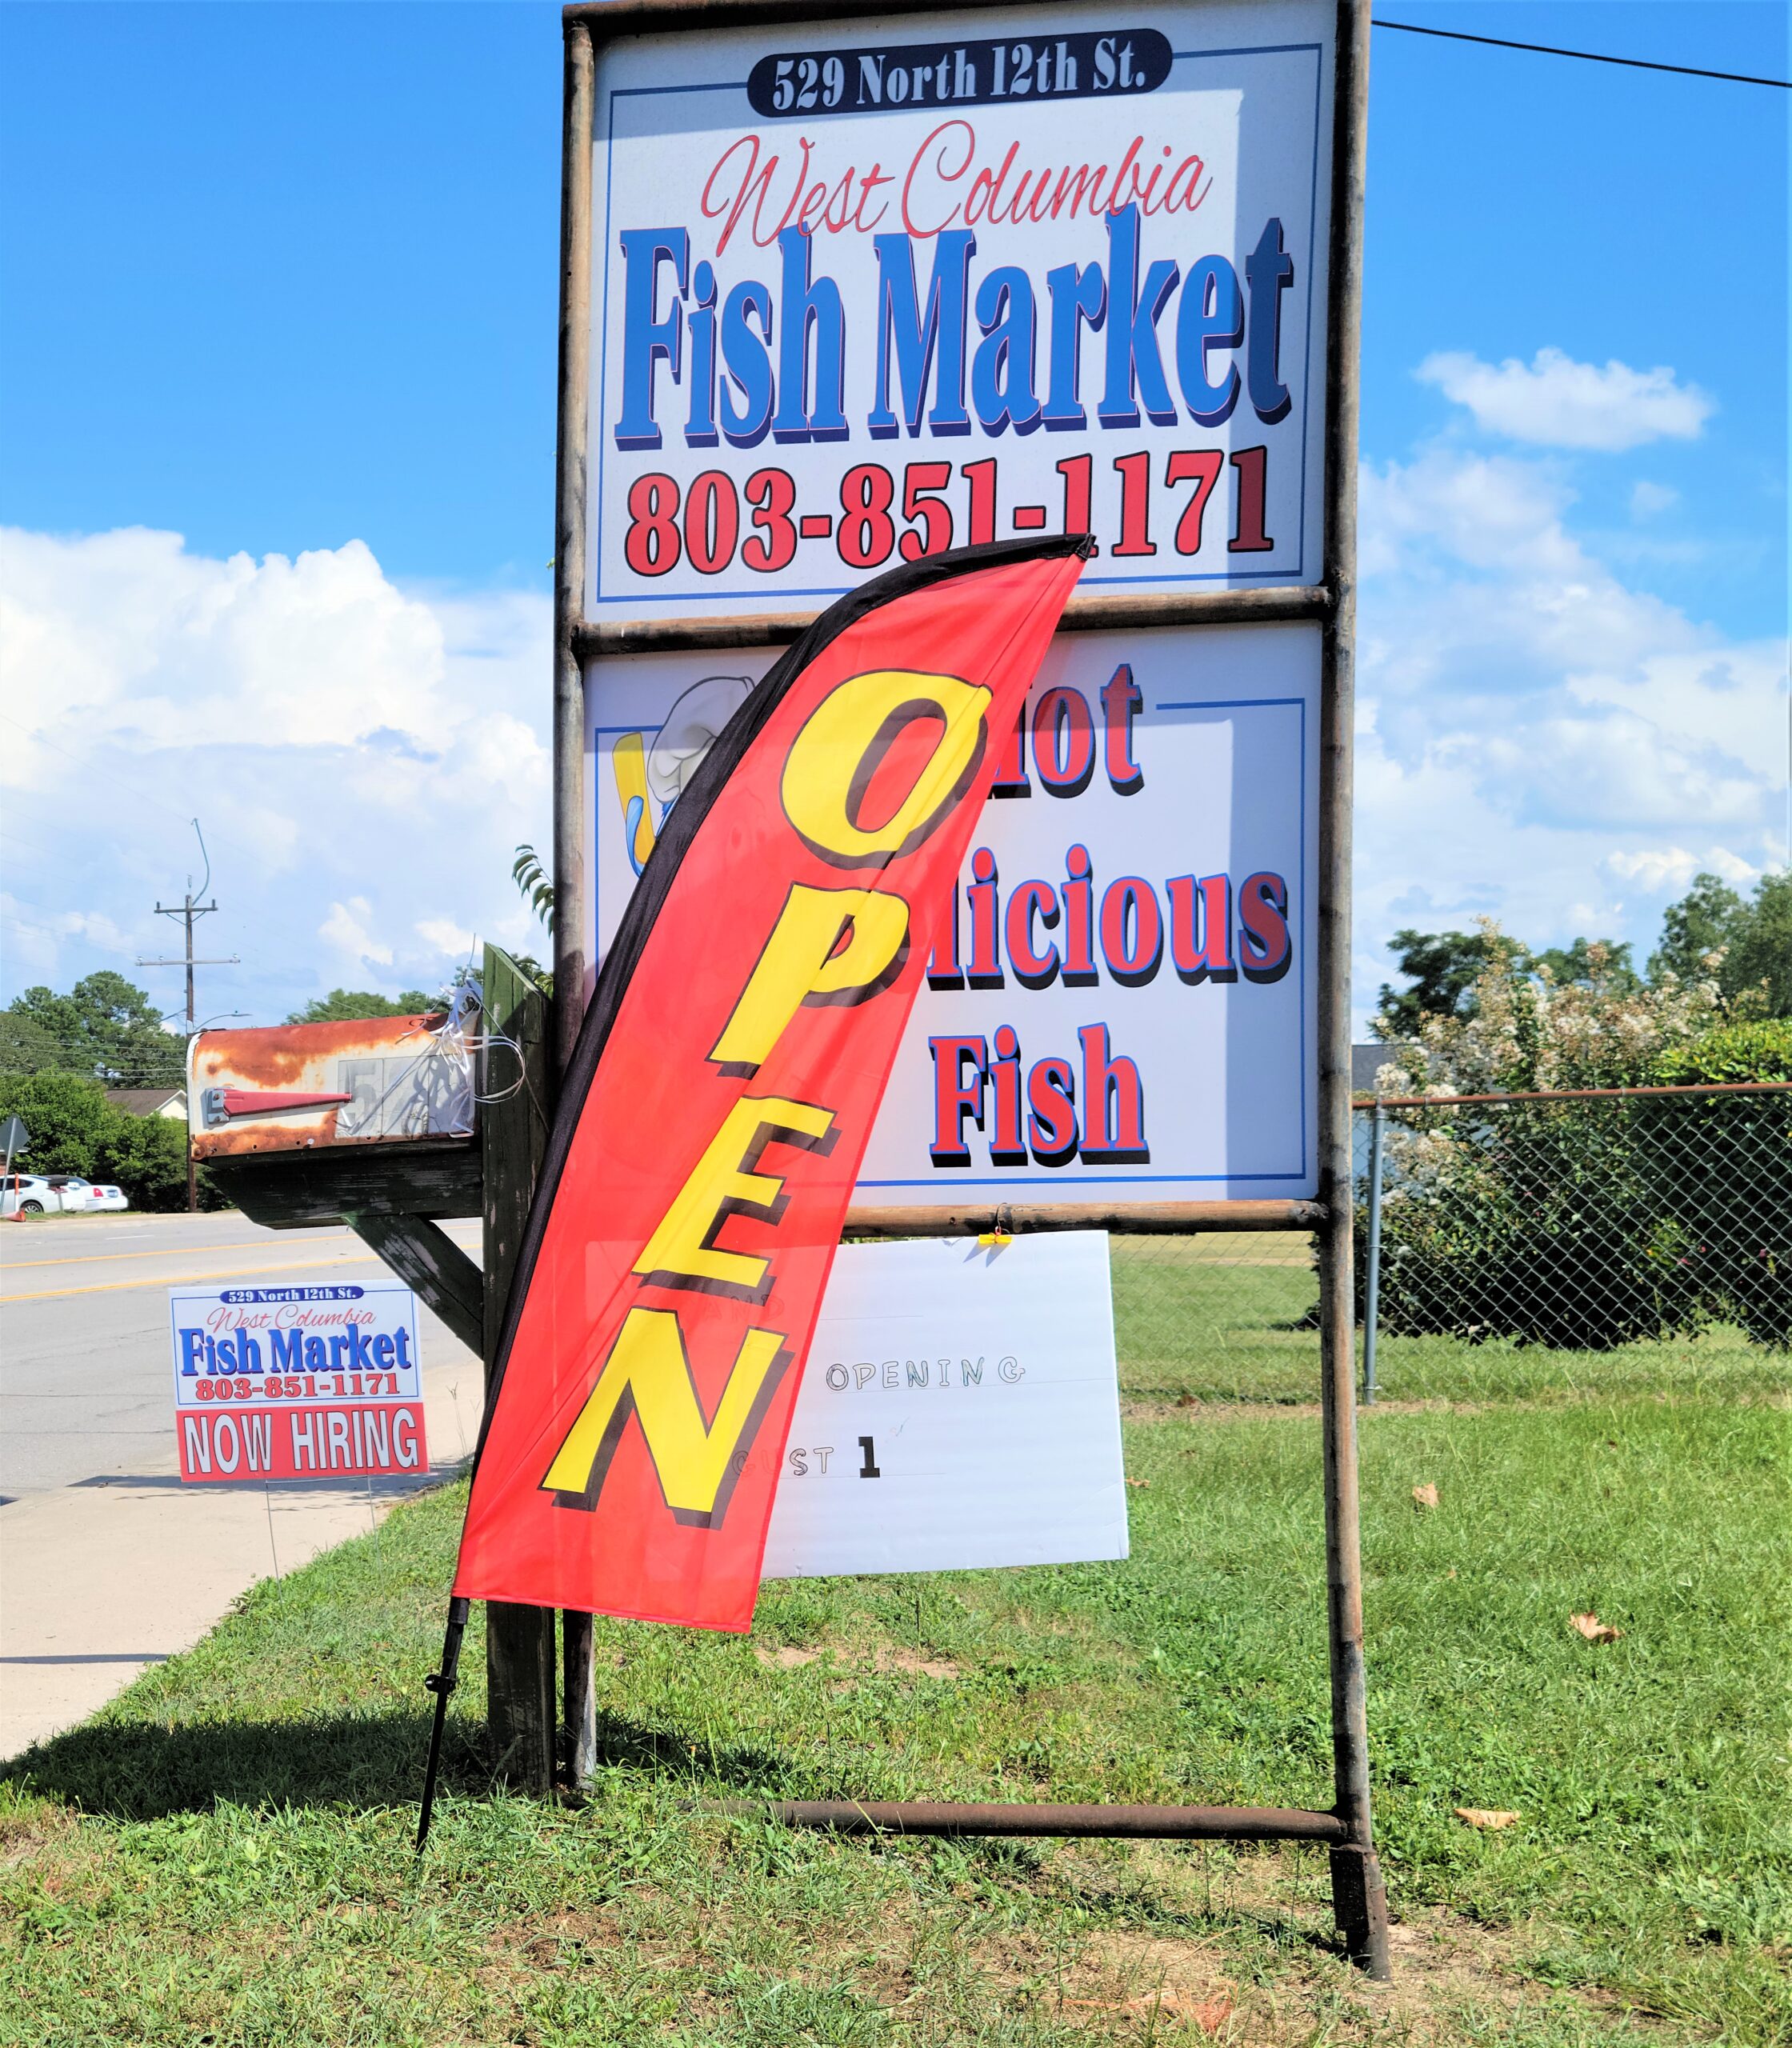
1358,1901
570,966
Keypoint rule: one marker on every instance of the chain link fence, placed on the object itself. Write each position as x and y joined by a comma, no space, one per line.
1581,1220
1578,1222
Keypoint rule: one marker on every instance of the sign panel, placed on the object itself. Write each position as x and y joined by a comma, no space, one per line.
297,1383
857,299
1130,1003
960,1409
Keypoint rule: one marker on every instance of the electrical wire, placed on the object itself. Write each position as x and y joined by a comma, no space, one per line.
1587,56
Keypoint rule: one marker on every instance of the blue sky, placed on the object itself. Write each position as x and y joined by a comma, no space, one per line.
279,280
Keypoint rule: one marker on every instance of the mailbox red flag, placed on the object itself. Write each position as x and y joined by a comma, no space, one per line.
724,1085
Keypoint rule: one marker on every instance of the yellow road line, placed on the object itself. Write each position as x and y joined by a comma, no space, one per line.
190,1279
174,1251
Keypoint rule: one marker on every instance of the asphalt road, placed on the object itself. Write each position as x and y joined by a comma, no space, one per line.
85,1380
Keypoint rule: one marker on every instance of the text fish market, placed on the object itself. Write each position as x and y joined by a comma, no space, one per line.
765,343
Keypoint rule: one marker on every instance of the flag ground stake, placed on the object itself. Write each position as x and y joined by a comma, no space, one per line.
441,1683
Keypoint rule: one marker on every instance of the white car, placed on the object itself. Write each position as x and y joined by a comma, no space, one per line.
82,1195
28,1194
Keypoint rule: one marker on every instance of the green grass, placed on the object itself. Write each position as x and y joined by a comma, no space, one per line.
223,1855
1228,1318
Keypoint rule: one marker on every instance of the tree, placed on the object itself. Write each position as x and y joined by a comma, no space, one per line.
1702,923
1444,967
105,1027
343,1006
1744,944
146,1156
25,1047
68,1116
1587,963
1572,1222
1760,952
535,884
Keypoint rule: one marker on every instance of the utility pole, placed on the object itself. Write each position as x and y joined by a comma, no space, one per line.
188,911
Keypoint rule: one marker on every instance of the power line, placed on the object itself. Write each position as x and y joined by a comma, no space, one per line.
1587,56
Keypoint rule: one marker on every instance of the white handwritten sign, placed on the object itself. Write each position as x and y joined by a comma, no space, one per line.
959,1409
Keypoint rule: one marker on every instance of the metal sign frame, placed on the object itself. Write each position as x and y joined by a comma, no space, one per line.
1359,1899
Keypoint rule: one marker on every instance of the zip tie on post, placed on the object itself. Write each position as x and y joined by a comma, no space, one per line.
1003,1234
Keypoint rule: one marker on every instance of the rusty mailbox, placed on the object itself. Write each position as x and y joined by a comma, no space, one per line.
292,1087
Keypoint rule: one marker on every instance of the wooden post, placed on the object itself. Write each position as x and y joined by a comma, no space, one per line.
513,1140
569,906
1359,1902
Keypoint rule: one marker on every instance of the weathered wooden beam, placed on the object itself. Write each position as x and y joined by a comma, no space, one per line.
405,1177
431,1265
1096,612
520,1706
1135,1219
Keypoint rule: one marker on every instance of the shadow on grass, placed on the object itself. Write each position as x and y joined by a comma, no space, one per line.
138,1771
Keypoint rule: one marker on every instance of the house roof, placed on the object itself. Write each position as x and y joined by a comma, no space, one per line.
1366,1062
143,1102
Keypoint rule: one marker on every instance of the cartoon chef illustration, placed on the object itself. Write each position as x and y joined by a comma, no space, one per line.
651,779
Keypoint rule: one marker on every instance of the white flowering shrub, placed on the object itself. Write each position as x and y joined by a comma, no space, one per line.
1584,1224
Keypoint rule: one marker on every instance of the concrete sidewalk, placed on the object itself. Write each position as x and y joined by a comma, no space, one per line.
100,1579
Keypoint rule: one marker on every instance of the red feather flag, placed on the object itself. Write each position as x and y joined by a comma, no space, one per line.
719,1103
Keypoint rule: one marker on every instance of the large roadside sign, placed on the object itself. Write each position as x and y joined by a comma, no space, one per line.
842,291
856,298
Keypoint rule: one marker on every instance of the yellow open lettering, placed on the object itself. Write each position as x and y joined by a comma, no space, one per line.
648,1375
833,761
682,1252
829,945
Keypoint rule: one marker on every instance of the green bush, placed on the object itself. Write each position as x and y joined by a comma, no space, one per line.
67,1115
1587,1225
1533,1222
1727,1163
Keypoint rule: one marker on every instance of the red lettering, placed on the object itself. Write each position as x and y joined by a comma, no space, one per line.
945,177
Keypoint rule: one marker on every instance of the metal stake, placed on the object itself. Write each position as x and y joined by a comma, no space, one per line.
441,1683
570,966
1372,1285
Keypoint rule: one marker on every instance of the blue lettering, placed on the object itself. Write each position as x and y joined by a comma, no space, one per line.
1269,273
808,304
936,344
1001,372
644,338
1211,317
1076,297
1132,329
747,359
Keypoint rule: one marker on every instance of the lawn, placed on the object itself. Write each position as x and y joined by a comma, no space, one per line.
223,1855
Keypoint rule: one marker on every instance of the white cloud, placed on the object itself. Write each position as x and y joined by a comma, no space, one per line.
1660,870
1648,500
1556,403
1538,740
356,752
345,929
444,935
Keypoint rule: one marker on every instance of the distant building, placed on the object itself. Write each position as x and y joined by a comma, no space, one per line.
149,1101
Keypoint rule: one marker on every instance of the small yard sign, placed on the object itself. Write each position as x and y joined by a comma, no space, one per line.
314,1382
